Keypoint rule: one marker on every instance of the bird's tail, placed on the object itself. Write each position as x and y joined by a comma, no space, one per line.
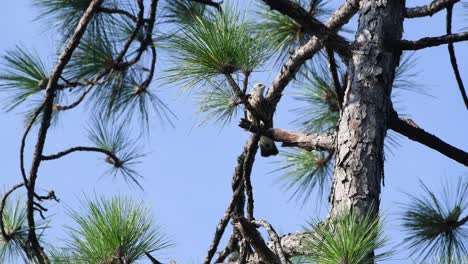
267,147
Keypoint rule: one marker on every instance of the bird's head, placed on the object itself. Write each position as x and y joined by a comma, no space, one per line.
258,89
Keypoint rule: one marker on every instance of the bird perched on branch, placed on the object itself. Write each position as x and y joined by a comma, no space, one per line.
263,118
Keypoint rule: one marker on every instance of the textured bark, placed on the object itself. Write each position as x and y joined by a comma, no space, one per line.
363,122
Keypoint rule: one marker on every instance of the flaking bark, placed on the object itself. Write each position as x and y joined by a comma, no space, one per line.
363,122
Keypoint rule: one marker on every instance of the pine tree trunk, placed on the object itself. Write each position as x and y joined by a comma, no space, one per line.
363,123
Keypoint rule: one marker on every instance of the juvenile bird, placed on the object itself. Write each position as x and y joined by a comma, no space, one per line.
264,119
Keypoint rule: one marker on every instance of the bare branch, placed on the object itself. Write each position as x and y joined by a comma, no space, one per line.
307,141
341,16
47,114
430,9
413,132
453,58
247,157
432,41
116,160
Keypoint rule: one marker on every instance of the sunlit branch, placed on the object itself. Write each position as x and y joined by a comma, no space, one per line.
307,141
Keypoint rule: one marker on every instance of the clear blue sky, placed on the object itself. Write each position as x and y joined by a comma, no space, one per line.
189,168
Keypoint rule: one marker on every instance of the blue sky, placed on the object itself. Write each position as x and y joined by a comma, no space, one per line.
189,168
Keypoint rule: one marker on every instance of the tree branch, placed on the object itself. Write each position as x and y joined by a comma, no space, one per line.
453,58
307,141
116,161
253,237
311,25
413,132
341,16
47,114
274,238
430,9
247,157
432,41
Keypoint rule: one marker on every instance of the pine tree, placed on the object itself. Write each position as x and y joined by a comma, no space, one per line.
347,86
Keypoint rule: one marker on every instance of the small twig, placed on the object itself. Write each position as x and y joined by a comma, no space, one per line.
115,160
40,212
274,237
49,196
453,58
336,80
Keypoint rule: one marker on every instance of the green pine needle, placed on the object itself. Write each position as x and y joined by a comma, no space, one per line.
115,230
211,47
14,219
347,238
305,172
108,135
219,104
284,33
23,76
321,110
431,223
64,15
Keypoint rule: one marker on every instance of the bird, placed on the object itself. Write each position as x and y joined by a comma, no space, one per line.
264,119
